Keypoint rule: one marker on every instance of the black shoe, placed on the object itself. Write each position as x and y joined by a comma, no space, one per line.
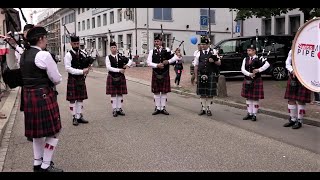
248,117
30,139
254,118
156,111
114,113
290,123
297,125
209,113
202,112
75,121
165,112
82,120
120,112
51,168
37,168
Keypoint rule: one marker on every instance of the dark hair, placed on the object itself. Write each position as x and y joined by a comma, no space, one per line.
34,41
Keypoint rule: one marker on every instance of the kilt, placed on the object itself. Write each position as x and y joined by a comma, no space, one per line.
207,89
41,112
301,93
254,93
162,86
74,91
120,88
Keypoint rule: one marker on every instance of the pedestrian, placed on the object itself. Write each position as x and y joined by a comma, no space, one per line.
76,88
41,110
252,87
297,96
206,63
178,68
116,85
160,59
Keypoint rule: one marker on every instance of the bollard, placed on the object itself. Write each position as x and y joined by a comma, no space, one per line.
222,86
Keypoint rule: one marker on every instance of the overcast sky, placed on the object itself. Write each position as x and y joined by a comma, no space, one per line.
27,13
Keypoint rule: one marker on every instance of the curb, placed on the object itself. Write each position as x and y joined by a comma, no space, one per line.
7,109
279,114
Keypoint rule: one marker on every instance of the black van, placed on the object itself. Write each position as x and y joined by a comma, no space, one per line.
234,50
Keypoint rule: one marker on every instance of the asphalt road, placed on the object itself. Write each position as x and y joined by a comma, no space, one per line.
182,141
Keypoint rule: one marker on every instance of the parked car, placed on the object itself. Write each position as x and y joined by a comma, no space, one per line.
234,50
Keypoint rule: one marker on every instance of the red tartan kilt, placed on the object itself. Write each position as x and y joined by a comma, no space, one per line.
302,94
116,89
163,87
41,112
75,92
254,93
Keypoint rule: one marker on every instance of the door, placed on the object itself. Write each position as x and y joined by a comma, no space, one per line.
230,52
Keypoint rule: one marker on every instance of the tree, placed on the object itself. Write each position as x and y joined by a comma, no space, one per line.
245,13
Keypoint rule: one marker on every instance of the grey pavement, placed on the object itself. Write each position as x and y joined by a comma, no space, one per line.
182,141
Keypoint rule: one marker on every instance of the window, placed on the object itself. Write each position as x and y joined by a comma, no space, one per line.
119,15
99,21
79,26
228,47
163,14
79,10
94,43
120,41
267,26
83,25
212,39
62,20
88,23
111,17
129,41
93,22
88,44
205,12
166,39
83,9
104,19
280,23
294,24
99,43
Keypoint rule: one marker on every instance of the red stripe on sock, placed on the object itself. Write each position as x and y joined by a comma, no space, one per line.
248,105
71,108
256,106
51,147
289,110
47,145
122,101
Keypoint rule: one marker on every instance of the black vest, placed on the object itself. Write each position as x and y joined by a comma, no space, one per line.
255,64
77,62
206,67
32,76
159,58
116,64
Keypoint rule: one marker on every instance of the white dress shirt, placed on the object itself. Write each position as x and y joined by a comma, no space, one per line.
289,62
18,53
261,69
113,69
67,64
197,55
44,60
154,65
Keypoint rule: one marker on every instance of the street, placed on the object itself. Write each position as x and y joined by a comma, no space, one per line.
182,141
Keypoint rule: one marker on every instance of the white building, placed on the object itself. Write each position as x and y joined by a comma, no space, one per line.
96,25
285,24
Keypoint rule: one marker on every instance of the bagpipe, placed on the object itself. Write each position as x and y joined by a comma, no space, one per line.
122,57
166,55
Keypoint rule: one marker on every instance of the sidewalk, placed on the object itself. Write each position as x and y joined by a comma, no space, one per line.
274,104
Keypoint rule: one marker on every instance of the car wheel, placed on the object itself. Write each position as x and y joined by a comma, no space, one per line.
279,73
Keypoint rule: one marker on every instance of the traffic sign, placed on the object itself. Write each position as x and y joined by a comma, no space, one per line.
202,33
203,22
237,28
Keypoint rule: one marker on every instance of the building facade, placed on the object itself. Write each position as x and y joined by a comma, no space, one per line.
135,28
285,24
